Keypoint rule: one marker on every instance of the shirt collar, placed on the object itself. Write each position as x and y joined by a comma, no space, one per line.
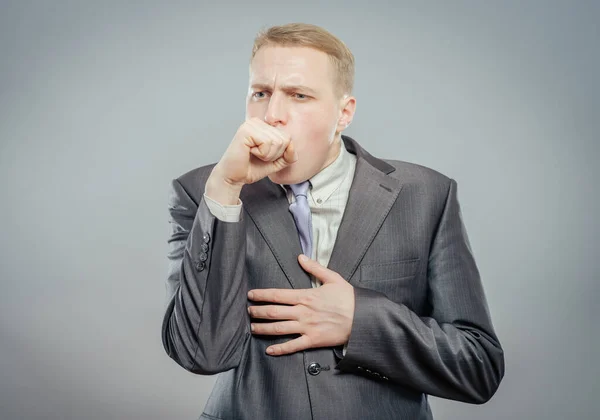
330,178
325,182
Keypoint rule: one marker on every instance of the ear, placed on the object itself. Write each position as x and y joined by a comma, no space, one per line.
347,109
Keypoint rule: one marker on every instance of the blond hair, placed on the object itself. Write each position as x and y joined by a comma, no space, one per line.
312,36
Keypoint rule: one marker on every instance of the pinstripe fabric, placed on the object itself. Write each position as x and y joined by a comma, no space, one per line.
421,323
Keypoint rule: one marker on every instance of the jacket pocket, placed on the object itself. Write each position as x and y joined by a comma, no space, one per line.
397,270
397,280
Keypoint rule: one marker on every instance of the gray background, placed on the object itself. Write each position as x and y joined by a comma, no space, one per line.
102,104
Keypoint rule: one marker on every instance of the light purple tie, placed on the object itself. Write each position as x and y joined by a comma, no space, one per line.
301,212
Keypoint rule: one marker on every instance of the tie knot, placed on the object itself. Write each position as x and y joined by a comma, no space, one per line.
300,189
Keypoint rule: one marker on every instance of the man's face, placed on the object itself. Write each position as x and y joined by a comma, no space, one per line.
293,89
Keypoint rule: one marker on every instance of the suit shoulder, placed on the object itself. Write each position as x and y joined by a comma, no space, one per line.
197,174
423,181
413,172
192,182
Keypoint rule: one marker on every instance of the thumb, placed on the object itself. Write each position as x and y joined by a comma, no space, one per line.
289,156
313,267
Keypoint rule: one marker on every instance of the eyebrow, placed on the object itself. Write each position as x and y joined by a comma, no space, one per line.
285,88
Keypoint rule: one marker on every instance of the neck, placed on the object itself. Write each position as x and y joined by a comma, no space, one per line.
334,151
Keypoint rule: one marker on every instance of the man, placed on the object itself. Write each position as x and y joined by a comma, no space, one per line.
320,281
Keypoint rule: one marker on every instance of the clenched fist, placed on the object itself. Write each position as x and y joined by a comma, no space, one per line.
256,151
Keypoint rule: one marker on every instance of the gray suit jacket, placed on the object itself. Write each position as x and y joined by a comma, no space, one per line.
421,323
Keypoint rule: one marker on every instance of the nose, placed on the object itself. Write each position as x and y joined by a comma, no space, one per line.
276,113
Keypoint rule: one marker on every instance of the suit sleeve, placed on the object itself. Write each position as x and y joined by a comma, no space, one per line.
206,323
454,353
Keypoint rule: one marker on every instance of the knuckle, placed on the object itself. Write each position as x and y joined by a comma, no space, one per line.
306,313
312,320
272,312
309,341
278,328
307,299
248,132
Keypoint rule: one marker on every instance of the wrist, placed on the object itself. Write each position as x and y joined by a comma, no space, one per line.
222,191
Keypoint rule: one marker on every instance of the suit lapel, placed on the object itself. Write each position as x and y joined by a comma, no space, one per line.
371,197
267,205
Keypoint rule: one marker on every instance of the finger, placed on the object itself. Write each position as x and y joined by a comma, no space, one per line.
292,346
273,312
268,151
259,147
313,267
276,138
276,149
280,142
266,138
290,155
285,141
279,138
285,296
276,328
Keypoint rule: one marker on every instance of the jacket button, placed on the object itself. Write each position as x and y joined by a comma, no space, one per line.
200,265
204,248
203,257
314,368
206,238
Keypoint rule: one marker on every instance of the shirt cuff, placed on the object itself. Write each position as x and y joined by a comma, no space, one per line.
225,213
344,349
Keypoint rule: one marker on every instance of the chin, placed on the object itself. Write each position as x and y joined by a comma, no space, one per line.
287,176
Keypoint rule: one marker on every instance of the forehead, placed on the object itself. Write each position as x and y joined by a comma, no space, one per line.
291,65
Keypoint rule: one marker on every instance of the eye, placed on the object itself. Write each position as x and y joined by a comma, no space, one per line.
300,96
257,95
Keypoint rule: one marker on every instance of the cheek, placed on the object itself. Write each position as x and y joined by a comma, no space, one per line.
255,110
316,126
320,136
